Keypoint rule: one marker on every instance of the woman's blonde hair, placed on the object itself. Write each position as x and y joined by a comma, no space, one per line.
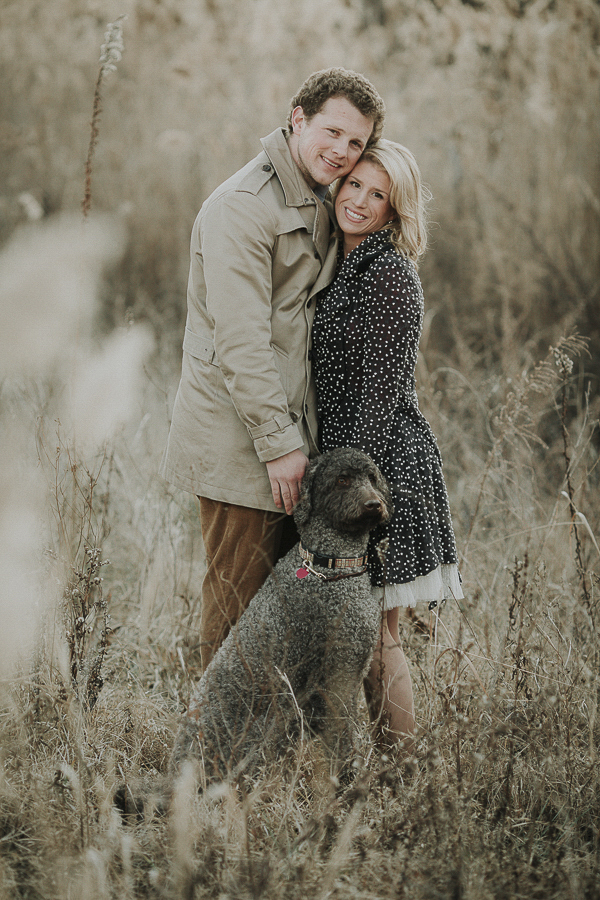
408,196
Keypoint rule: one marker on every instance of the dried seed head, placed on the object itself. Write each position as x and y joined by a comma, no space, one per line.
113,46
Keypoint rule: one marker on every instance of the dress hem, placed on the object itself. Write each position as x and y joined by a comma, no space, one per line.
443,583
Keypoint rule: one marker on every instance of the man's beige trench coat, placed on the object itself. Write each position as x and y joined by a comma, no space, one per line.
261,249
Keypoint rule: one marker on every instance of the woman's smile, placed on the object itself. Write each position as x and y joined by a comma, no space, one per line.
357,217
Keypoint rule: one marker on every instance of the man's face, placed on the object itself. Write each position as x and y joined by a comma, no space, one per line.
329,145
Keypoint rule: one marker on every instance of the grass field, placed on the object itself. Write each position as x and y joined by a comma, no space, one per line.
101,561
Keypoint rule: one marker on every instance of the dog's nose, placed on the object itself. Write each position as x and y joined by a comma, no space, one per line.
373,504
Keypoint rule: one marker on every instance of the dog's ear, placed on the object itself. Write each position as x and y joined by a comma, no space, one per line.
303,508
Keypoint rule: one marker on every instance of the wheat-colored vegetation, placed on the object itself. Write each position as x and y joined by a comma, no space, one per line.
101,562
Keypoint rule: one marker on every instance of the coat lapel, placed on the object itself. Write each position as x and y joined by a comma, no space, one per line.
327,273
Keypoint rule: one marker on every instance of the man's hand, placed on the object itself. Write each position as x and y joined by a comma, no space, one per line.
285,475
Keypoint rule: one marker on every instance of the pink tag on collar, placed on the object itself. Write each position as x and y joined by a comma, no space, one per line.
301,572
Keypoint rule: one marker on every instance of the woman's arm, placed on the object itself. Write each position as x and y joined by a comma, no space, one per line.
391,310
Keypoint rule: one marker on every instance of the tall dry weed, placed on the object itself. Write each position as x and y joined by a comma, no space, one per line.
110,54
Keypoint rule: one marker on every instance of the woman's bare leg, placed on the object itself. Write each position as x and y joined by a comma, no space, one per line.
388,686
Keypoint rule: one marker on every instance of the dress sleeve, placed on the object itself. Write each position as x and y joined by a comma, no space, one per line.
390,307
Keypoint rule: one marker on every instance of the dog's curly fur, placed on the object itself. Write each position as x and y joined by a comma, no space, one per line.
298,655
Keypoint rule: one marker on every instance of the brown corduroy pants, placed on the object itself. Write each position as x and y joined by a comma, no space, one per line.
242,545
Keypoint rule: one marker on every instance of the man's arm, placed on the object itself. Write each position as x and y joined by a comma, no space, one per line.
238,239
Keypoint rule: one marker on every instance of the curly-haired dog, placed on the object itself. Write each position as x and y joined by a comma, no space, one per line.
298,655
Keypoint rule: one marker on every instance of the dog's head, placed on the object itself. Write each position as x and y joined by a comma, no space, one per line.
345,488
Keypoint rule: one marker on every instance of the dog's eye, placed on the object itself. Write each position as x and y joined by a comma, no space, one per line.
343,480
372,479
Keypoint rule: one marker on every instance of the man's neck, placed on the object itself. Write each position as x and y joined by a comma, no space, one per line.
321,191
292,140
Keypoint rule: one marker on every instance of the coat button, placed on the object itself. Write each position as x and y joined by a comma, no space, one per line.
294,416
266,168
316,254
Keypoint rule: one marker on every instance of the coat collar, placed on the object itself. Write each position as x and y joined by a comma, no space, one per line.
295,188
315,214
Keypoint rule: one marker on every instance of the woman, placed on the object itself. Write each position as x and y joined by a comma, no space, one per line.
365,340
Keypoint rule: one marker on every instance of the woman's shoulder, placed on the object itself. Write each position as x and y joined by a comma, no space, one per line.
376,251
390,267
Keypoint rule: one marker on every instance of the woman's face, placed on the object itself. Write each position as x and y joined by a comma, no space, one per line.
363,203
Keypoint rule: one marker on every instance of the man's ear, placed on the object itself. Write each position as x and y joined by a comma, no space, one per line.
298,119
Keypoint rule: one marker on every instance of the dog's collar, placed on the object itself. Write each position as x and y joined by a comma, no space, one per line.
332,562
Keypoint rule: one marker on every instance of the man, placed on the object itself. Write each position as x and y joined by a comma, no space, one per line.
244,419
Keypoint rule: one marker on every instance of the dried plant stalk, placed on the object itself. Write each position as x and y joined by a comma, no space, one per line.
110,54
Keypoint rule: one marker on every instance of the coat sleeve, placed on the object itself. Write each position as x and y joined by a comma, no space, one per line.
391,312
238,238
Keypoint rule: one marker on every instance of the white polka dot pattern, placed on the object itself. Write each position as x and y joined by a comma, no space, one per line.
365,340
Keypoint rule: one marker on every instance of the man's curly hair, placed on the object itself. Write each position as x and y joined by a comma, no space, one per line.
338,82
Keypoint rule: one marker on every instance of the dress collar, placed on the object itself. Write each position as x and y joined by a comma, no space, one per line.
373,245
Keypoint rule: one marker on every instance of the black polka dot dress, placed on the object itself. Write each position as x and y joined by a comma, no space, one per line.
365,340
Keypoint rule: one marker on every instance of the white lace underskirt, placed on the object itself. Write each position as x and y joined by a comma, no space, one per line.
442,583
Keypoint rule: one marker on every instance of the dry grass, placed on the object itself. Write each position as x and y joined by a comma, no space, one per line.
501,800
